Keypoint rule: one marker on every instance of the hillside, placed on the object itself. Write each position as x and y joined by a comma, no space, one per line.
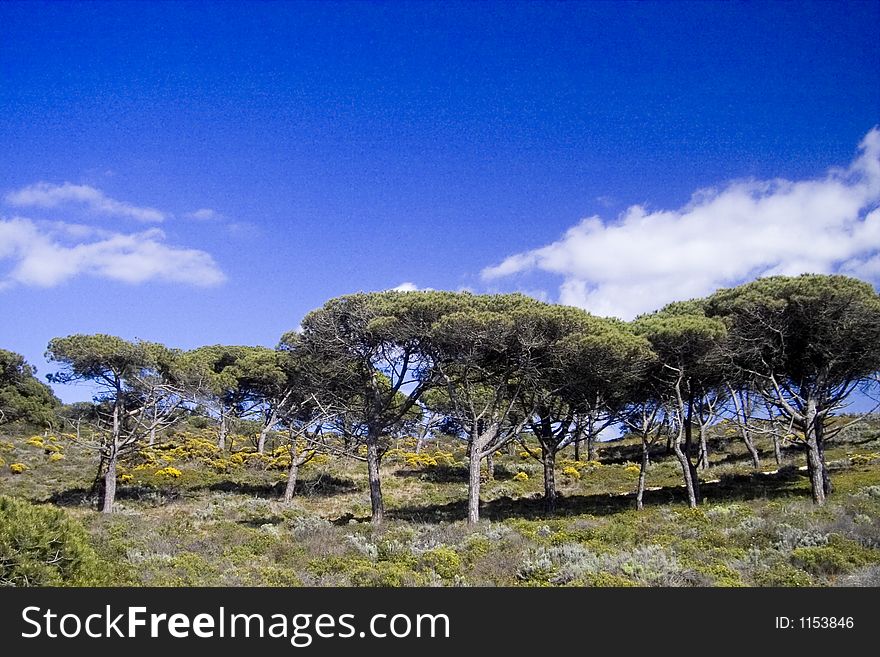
191,515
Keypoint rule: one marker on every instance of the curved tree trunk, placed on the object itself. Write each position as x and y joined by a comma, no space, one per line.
753,452
687,474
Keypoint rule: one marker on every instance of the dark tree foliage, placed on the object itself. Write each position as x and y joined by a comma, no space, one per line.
807,342
22,396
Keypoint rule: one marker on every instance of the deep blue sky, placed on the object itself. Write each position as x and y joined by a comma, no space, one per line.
360,145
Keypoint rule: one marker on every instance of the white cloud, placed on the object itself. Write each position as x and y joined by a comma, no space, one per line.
204,214
406,287
47,254
48,195
645,259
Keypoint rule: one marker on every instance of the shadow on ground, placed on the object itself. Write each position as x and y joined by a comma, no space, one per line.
787,482
321,486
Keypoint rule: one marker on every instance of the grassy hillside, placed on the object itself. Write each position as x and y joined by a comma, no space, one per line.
191,515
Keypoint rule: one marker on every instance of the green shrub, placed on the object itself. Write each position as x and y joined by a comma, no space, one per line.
41,546
782,575
443,560
384,574
839,556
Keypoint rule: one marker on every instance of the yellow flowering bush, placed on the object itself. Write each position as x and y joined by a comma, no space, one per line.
632,469
520,476
56,456
17,468
423,460
125,478
221,465
864,459
408,444
577,465
281,461
319,459
571,472
171,473
35,441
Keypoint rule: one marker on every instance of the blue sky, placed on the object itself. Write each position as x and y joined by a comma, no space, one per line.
198,173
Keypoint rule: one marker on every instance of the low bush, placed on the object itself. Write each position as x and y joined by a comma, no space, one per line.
41,546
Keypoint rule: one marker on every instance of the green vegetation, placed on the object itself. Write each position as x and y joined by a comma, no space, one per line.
42,546
222,521
244,465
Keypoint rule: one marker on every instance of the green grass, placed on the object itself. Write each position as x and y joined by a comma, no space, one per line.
221,523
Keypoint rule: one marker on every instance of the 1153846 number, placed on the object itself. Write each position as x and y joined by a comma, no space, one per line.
826,622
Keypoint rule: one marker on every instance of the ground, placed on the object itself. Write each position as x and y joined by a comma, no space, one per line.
189,515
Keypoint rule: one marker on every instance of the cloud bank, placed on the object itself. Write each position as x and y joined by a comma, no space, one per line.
48,195
46,254
746,229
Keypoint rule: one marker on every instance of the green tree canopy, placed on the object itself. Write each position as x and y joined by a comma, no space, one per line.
22,396
806,342
137,383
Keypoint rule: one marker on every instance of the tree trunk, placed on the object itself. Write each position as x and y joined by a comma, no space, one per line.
819,481
592,452
109,484
97,489
826,475
373,461
814,467
643,472
686,473
548,457
261,440
222,431
693,479
704,449
490,466
777,450
474,460
685,463
109,492
753,452
291,480
743,410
